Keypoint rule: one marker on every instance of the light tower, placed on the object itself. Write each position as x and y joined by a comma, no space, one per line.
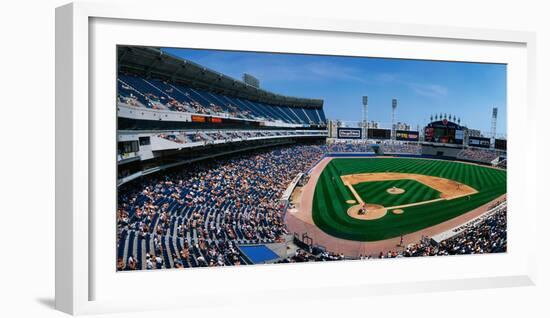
494,126
393,111
365,117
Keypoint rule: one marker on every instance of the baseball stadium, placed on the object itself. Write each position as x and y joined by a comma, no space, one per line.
219,171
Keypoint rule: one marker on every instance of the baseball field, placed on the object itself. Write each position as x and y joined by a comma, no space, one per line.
373,199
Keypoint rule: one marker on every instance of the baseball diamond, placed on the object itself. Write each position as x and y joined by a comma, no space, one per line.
377,192
331,193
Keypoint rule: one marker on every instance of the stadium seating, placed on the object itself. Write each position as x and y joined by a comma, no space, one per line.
477,154
197,216
184,137
401,148
156,94
367,147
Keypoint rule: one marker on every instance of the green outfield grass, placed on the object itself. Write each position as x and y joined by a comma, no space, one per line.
330,207
375,192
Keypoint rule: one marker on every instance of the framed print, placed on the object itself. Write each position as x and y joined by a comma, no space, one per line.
288,158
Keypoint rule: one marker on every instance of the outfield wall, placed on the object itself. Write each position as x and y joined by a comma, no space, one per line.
387,154
423,156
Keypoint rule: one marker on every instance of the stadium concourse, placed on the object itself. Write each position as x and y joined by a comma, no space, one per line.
206,166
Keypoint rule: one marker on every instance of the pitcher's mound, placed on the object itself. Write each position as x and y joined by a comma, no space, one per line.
395,190
373,212
397,211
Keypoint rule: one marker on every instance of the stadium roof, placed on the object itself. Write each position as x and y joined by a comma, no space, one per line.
152,62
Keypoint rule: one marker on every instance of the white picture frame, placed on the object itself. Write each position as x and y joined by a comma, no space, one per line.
82,287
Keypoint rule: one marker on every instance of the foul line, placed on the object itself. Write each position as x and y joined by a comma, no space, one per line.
355,194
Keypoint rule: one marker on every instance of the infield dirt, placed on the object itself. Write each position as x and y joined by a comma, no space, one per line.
449,189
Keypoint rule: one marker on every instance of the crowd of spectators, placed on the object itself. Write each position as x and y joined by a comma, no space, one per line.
302,256
477,154
226,135
411,148
195,216
157,94
485,235
129,95
350,146
368,146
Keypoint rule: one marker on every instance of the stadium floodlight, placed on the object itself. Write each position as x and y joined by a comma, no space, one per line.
365,117
393,111
494,126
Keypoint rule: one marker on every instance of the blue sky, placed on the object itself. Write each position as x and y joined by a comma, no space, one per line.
467,90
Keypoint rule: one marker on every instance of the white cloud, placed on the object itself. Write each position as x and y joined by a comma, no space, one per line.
271,69
429,90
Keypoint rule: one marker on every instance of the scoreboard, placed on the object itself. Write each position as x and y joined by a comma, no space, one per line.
459,134
349,133
406,135
500,144
375,133
479,142
204,119
445,132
